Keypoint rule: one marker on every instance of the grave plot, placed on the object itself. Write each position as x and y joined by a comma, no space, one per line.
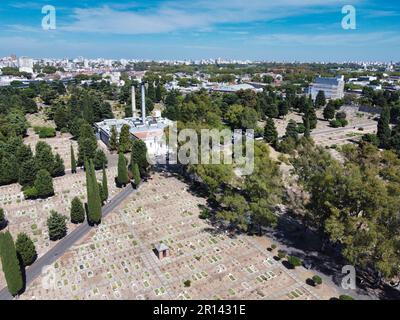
60,144
30,216
117,261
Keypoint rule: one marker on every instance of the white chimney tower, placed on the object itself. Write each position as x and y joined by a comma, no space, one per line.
143,103
133,102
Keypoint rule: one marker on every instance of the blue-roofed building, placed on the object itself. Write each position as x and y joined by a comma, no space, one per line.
332,87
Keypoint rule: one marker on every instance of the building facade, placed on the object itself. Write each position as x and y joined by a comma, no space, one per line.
332,87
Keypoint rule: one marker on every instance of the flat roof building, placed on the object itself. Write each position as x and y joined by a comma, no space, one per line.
332,87
148,129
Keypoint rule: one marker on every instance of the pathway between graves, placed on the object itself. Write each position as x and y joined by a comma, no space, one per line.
66,243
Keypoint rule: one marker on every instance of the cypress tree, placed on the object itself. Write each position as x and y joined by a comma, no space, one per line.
93,194
158,92
113,139
73,161
122,178
105,185
384,131
306,122
320,99
139,155
136,174
2,219
270,133
77,211
26,250
125,143
10,264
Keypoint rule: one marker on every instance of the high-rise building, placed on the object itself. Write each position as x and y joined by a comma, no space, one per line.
25,64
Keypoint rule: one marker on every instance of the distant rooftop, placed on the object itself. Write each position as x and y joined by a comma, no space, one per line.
152,127
328,81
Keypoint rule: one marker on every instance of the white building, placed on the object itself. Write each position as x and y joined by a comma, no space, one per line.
332,87
25,64
148,129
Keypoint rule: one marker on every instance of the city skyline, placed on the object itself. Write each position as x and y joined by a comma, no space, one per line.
308,30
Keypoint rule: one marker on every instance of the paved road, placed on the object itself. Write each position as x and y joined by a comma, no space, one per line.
369,125
66,243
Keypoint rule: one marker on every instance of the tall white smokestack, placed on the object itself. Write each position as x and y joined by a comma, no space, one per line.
143,103
133,102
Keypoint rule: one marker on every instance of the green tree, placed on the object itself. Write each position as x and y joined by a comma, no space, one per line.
283,108
59,168
151,92
93,195
26,250
136,174
2,218
272,111
291,130
139,155
306,123
44,158
77,211
320,99
44,184
122,178
100,159
87,143
294,261
270,133
27,173
329,111
312,116
10,264
125,139
105,185
158,92
56,224
113,139
384,132
73,161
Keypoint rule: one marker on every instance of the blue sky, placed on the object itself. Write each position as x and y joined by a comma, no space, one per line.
306,30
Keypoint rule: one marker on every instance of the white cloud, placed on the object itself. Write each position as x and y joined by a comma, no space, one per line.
197,14
345,39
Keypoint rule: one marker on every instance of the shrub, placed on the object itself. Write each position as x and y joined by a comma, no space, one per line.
345,297
294,261
25,249
317,280
204,214
281,254
31,193
300,128
335,124
77,211
187,283
57,226
371,138
273,246
45,132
